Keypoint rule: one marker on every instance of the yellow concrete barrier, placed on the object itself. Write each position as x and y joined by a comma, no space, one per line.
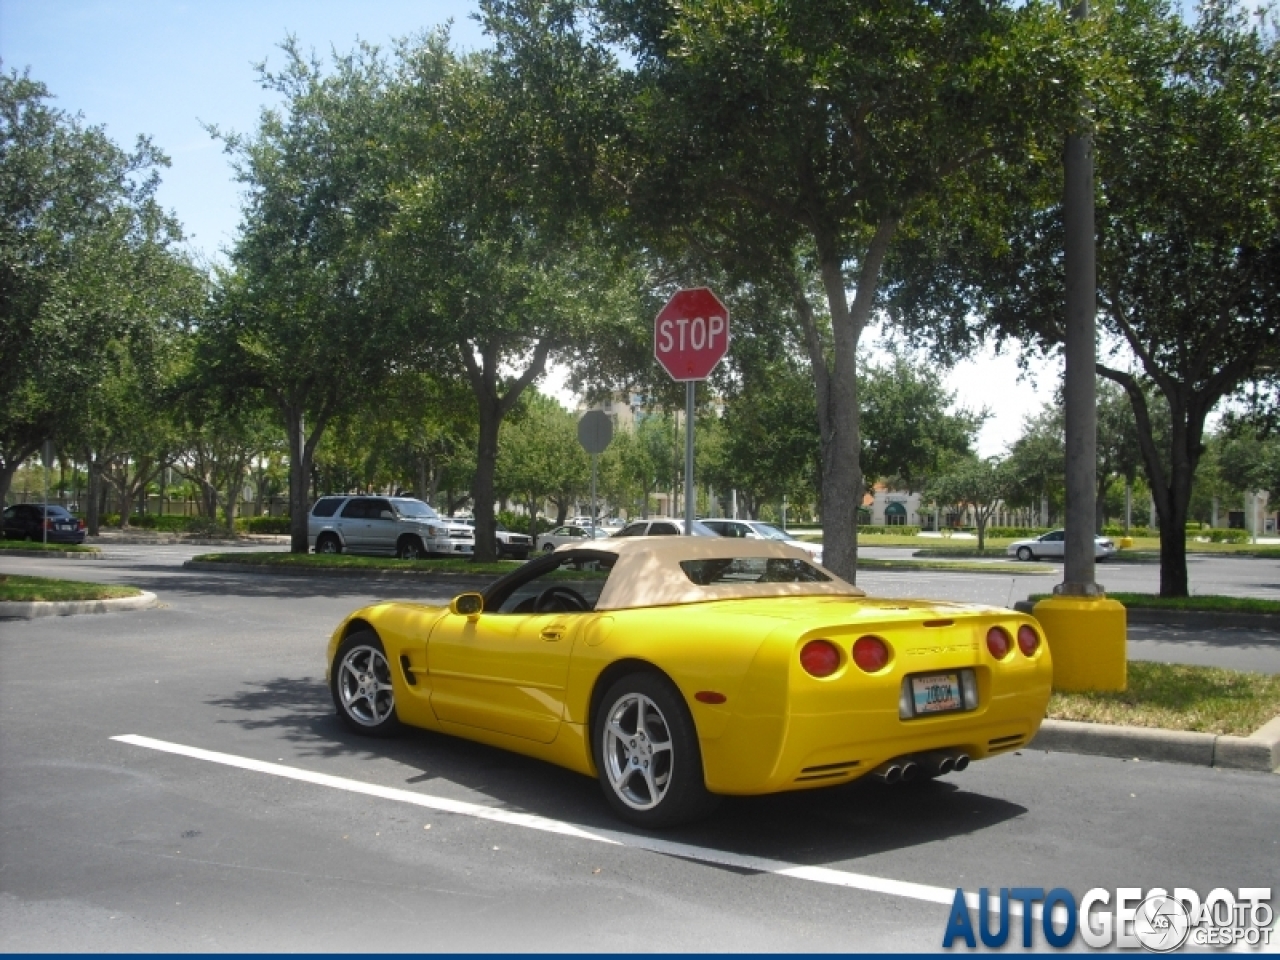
1088,639
1126,543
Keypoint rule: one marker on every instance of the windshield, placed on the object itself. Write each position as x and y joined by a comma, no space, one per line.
415,508
769,532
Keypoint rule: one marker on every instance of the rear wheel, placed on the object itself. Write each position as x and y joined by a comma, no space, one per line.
410,548
328,543
647,754
360,682
1024,553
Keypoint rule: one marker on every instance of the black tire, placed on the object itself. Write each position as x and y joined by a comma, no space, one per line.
360,683
1024,554
410,548
630,769
548,547
328,543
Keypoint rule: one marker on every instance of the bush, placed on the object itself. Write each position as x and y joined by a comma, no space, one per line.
519,522
1016,533
262,525
1116,530
901,531
166,524
1221,535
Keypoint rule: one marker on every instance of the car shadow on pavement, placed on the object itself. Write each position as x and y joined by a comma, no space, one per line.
812,827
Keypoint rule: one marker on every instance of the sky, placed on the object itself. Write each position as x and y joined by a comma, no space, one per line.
168,68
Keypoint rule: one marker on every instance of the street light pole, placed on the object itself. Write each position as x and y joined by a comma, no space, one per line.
1086,631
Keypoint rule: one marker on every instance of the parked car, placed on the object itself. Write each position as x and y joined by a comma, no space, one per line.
569,533
506,542
757,530
30,521
677,669
1053,544
664,527
387,526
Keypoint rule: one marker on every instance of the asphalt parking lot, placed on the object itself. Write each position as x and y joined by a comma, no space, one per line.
241,816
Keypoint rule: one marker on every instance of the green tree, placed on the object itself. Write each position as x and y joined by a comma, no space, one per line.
973,482
497,268
1186,146
89,264
788,141
300,320
540,458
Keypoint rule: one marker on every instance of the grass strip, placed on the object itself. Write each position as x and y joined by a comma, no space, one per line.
1176,697
38,546
1207,602
16,589
866,563
344,561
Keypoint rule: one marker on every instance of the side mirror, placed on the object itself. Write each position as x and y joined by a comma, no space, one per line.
386,515
467,605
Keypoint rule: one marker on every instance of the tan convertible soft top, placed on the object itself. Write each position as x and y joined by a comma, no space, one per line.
648,572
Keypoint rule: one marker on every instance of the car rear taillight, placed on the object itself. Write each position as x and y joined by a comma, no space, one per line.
1028,639
870,653
998,642
79,524
820,658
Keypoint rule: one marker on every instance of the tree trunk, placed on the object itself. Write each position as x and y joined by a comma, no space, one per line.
482,485
93,515
301,452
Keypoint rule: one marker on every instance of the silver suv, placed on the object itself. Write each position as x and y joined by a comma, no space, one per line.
389,526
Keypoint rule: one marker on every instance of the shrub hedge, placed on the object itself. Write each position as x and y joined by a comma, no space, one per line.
875,528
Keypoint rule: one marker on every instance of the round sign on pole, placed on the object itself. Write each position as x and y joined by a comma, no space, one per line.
691,334
595,431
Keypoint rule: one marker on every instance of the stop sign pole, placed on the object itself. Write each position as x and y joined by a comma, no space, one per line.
690,336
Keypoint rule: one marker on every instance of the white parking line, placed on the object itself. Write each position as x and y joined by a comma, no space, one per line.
824,875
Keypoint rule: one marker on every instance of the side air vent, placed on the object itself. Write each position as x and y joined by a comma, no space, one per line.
828,771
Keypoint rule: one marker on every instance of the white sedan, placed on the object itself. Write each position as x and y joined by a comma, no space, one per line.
570,533
1054,544
755,530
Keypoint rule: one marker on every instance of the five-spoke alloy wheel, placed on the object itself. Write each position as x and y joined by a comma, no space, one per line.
361,685
646,750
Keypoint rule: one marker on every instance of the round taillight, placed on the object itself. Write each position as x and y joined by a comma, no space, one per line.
998,642
870,653
820,658
1028,639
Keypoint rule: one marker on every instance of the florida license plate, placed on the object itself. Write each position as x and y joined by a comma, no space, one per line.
936,693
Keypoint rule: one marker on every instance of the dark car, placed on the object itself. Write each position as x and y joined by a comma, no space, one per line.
31,521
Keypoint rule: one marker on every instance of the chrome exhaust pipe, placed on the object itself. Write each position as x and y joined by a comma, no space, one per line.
910,770
961,762
889,772
938,762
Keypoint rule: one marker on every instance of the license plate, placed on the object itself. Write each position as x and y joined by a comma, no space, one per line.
936,693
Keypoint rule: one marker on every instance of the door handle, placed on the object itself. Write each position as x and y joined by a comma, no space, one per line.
551,634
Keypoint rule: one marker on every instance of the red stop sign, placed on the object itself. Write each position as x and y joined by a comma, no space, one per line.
691,334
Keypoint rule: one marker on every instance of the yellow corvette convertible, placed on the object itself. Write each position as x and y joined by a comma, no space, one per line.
676,669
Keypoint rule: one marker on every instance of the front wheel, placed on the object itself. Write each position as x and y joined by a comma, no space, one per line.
360,682
647,754
548,547
410,548
1024,553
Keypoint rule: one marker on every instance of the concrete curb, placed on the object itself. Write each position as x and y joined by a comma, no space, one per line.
1258,751
460,580
63,554
1187,618
68,608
